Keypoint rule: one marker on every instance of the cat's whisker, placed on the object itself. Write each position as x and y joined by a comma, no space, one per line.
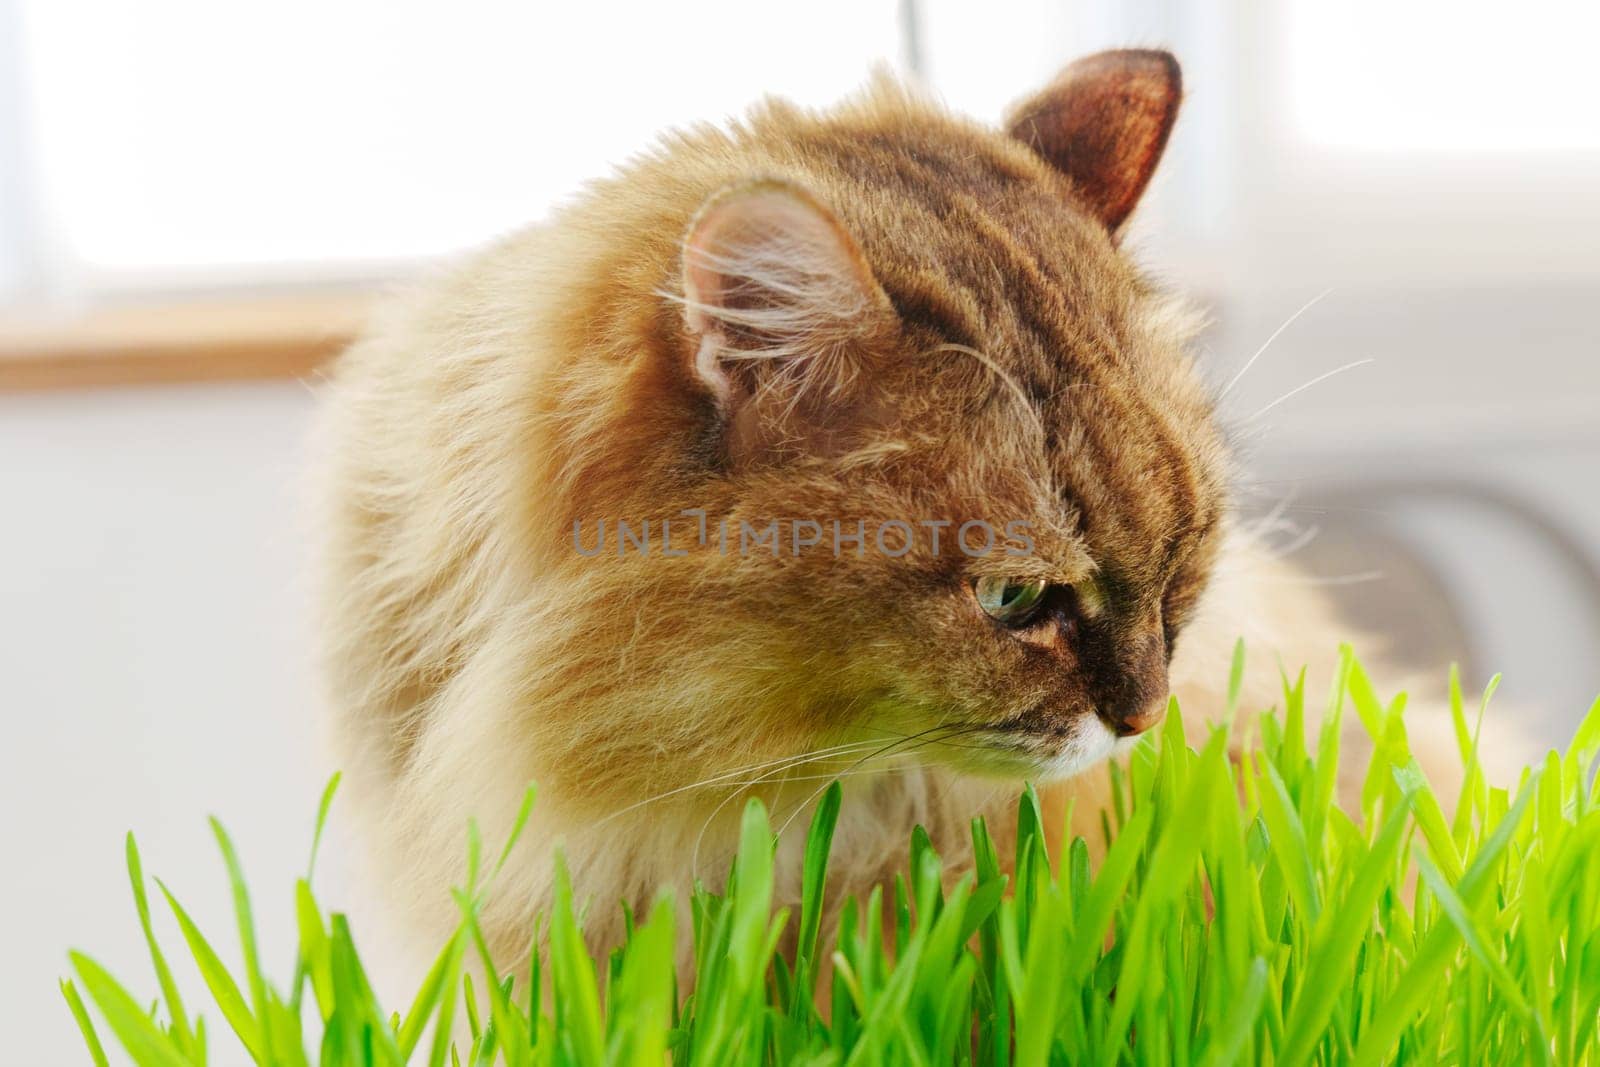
1290,321
829,779
1250,434
897,768
832,776
1257,530
1295,544
1340,509
880,751
959,730
1332,580
818,755
1283,505
1006,379
1315,381
694,861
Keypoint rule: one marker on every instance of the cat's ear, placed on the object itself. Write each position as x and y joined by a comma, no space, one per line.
1103,123
777,298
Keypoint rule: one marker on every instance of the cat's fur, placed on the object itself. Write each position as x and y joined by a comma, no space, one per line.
883,312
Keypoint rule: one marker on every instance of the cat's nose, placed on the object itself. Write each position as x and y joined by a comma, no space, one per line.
1137,699
1133,718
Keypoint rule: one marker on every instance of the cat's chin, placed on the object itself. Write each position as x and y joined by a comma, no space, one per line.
1039,758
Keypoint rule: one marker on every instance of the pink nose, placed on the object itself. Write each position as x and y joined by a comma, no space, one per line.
1138,699
1136,718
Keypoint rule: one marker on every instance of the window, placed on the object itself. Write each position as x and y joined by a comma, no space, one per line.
192,143
1370,76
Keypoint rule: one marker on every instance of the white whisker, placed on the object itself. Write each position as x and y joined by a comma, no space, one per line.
1295,544
694,856
1333,580
1005,379
1257,530
1300,389
817,755
1307,306
923,742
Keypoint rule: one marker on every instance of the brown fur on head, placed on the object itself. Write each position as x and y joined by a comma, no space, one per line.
889,314
882,314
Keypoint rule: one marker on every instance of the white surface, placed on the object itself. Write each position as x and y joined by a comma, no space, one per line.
154,670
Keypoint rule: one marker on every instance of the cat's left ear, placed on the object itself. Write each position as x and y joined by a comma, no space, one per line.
1103,123
779,301
784,317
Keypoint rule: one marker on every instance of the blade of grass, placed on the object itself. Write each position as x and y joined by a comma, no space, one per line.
182,1035
224,990
814,872
323,807
80,1015
142,1039
247,935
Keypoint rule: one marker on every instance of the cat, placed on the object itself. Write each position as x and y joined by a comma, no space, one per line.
645,504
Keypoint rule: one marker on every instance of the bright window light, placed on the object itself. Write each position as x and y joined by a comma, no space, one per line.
182,135
982,58
1444,76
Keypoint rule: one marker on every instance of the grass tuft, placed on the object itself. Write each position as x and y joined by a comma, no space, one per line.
1237,916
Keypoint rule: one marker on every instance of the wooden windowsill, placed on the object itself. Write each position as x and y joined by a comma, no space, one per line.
191,341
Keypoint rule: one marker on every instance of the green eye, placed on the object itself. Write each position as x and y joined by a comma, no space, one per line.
1011,601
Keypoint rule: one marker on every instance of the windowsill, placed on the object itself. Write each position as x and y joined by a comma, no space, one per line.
196,340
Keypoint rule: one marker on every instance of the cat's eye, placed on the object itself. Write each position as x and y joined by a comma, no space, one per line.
1010,601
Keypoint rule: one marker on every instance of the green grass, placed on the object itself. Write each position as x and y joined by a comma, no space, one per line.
1237,916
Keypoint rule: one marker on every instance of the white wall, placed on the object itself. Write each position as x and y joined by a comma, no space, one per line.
153,669
1467,440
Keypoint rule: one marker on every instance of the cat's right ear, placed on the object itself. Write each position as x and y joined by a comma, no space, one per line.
780,305
1104,123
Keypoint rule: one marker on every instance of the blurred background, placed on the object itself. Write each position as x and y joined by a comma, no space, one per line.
1392,211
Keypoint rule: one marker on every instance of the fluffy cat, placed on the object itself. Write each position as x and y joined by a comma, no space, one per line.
882,316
